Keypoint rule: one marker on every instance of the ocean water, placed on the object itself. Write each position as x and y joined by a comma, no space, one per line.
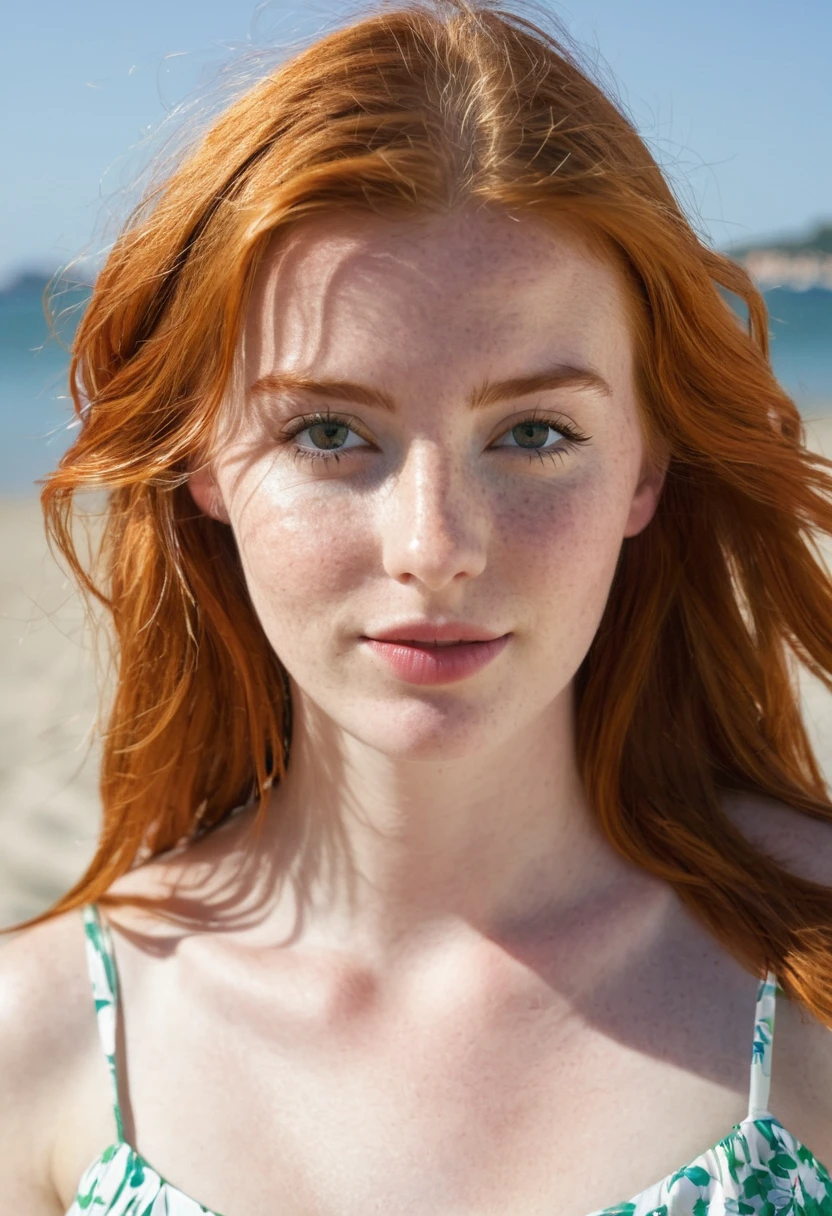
35,409
36,416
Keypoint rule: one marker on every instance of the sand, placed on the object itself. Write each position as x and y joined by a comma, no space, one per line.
49,807
48,797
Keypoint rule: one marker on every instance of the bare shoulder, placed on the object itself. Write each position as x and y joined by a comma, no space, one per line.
47,1028
801,843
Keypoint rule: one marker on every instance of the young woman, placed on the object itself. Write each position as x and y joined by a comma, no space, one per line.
461,833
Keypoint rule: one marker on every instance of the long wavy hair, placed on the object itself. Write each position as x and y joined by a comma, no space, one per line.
689,688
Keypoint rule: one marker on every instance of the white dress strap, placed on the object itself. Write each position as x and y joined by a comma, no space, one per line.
758,1096
101,963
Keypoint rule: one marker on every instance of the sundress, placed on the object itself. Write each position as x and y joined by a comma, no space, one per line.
758,1169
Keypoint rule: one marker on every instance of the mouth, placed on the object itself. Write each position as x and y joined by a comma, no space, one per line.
434,644
434,634
435,660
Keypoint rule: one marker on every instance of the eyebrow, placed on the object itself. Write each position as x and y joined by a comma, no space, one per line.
560,375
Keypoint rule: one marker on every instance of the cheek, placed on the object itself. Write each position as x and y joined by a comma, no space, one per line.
562,544
301,551
559,555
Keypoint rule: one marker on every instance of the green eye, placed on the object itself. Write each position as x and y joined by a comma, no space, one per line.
531,434
328,435
542,436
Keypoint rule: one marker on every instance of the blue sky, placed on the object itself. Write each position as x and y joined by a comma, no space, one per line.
732,96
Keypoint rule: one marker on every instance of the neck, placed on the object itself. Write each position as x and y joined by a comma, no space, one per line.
382,851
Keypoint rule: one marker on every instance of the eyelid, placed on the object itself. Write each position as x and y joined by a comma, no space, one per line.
302,422
557,421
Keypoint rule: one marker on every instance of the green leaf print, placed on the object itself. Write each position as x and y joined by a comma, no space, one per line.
695,1174
751,1186
782,1164
737,1156
95,933
84,1201
765,1129
137,1175
804,1155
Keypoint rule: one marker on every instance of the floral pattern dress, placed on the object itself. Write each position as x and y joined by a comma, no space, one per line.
758,1169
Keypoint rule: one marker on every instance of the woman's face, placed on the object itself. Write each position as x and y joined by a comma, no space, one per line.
407,503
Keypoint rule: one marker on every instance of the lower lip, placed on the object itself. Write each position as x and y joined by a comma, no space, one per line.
419,664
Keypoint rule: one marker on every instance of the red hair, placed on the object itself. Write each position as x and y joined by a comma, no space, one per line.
688,688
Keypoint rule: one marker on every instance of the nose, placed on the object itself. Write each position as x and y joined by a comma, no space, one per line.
433,520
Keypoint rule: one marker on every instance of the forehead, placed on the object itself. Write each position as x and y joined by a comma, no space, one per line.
351,291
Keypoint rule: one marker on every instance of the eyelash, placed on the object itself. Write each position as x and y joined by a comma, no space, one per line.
573,437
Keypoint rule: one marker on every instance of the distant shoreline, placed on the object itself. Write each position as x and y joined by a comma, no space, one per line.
792,271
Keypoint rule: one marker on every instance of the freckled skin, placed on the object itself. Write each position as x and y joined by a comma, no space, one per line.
431,520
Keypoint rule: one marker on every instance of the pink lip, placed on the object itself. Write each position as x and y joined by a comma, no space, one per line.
426,631
423,663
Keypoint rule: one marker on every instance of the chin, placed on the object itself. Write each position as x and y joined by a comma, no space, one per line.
424,731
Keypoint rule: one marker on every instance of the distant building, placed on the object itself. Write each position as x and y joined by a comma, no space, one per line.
795,264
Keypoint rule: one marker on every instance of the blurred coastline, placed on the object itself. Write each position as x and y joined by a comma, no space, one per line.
49,809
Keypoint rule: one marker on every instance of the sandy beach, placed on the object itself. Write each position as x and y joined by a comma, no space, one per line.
48,781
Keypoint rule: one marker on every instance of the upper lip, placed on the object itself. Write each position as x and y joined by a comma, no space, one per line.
425,631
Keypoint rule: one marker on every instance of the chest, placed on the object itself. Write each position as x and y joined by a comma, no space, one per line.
469,1100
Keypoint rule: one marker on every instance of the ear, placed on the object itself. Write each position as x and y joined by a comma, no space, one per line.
207,495
646,497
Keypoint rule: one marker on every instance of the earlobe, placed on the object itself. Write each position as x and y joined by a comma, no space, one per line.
206,494
646,499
